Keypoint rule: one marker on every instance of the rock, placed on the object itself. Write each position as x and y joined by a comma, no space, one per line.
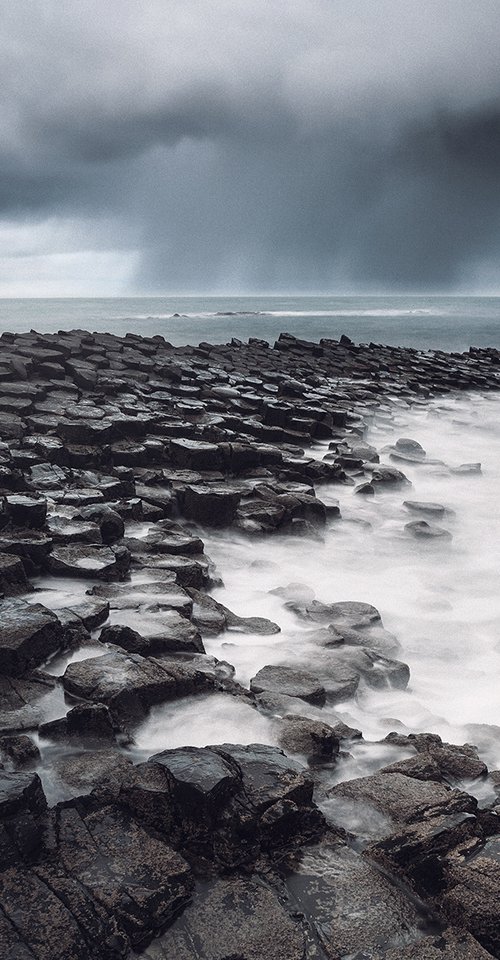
425,530
365,489
160,633
195,455
80,772
216,617
90,561
188,571
385,475
91,721
268,776
353,908
466,469
13,578
21,750
202,780
110,522
470,899
312,738
450,944
130,684
31,546
453,762
26,511
71,532
291,683
150,597
29,635
404,799
420,506
20,793
215,505
221,924
348,613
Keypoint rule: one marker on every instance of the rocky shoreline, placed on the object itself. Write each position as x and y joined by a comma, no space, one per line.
117,456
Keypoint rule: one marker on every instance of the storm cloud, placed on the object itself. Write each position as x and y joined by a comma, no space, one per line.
320,145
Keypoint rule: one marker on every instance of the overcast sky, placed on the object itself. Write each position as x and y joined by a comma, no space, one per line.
169,146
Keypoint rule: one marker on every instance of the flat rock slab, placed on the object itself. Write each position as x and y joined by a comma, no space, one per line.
152,634
451,944
404,799
425,506
268,775
427,531
29,635
20,792
109,886
234,918
349,904
131,684
289,682
89,561
160,594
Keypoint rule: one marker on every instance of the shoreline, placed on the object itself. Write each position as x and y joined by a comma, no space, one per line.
118,453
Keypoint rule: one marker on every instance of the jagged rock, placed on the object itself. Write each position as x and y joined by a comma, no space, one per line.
13,578
31,546
470,898
20,749
385,475
312,738
29,635
214,616
130,684
20,793
71,532
91,721
453,761
289,682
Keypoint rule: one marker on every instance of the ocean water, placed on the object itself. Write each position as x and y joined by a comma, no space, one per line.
445,323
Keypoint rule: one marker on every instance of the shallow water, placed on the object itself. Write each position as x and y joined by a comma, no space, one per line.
440,598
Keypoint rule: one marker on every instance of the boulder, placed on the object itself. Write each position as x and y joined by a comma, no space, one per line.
404,799
311,738
94,562
153,634
214,505
13,579
424,530
27,511
289,682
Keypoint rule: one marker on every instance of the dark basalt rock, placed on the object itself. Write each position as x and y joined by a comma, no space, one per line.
289,682
94,562
26,511
71,532
29,635
403,798
470,897
110,522
214,617
161,633
130,684
13,578
420,506
311,738
213,505
21,750
91,721
385,475
451,944
20,793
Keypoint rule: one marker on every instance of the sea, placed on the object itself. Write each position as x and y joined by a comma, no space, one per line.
437,323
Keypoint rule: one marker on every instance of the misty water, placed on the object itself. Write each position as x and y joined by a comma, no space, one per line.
439,599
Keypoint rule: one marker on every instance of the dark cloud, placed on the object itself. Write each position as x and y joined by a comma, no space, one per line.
260,144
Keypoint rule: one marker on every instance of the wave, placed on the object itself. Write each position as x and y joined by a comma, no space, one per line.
227,314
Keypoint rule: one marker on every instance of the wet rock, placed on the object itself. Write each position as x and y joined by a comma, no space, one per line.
454,762
31,546
110,522
377,671
311,738
214,505
221,923
19,793
365,489
385,475
13,578
466,469
29,635
451,944
159,633
471,899
130,684
70,532
26,511
348,613
211,614
288,682
424,530
22,701
91,721
97,562
195,455
80,772
353,908
421,506
201,779
188,571
404,799
268,776
21,750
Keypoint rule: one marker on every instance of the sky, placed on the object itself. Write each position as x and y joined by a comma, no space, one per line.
225,146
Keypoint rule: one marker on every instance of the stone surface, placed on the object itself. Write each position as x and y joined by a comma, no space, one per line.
289,682
29,634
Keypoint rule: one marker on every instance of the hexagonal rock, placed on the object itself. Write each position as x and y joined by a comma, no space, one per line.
289,682
214,505
90,561
131,684
404,799
200,777
20,792
196,455
26,511
13,577
29,634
